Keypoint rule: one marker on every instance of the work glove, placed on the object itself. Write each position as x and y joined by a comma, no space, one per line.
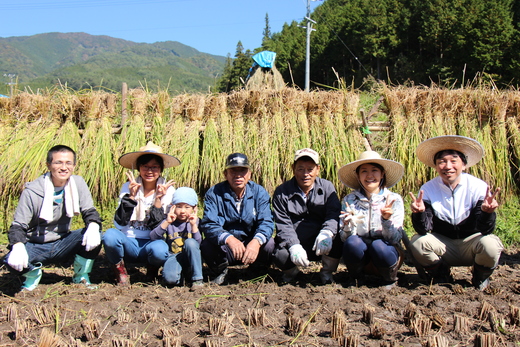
91,237
18,257
353,223
323,242
298,255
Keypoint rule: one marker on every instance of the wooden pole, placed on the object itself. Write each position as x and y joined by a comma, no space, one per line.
124,114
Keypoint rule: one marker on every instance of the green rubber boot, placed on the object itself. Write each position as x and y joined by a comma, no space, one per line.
82,268
32,278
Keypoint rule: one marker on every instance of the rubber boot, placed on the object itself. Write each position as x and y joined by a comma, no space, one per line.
82,268
389,275
290,275
32,278
356,275
439,272
120,274
329,265
221,271
481,276
152,272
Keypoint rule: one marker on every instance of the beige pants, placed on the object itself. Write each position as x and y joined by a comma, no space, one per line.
483,250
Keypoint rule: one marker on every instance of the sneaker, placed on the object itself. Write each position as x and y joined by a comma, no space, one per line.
196,285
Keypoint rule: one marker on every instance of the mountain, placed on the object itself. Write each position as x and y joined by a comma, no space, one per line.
80,60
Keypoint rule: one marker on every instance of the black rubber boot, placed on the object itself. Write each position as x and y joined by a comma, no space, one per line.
221,271
440,272
481,276
389,275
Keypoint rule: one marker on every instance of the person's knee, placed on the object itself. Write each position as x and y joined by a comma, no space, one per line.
157,252
490,249
383,254
112,237
191,244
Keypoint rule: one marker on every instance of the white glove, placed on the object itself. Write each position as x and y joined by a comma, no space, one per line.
18,257
323,242
355,223
91,237
298,255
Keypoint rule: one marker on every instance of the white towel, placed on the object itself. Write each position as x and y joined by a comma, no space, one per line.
139,213
70,196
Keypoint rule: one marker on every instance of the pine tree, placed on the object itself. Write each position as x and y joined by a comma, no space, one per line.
236,70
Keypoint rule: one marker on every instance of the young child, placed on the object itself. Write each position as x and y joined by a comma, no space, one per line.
183,238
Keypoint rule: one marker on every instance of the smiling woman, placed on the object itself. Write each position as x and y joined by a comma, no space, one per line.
142,206
372,218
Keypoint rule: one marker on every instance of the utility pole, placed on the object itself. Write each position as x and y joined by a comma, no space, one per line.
309,29
11,83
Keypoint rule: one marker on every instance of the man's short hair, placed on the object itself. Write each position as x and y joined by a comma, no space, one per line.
441,154
57,149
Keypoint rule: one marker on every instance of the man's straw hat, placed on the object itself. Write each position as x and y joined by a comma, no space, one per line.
393,170
469,147
129,160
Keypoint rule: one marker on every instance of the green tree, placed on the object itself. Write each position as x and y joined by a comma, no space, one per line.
266,39
236,70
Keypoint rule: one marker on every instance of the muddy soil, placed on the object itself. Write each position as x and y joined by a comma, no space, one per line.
256,310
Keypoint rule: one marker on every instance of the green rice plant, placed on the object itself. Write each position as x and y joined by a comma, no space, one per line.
266,153
213,157
348,145
132,137
100,172
68,135
513,128
183,142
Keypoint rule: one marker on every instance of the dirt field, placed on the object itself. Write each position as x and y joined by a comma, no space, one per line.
258,311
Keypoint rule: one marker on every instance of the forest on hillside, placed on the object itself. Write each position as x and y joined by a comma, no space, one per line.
418,42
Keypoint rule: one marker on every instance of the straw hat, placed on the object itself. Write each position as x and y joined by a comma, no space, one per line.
129,160
393,170
469,147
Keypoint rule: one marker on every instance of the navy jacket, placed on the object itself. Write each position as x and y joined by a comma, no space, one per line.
221,218
298,221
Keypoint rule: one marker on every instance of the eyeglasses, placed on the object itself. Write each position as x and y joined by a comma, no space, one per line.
61,163
150,168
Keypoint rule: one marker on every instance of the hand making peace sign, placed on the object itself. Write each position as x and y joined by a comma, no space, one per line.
162,188
387,211
134,186
417,203
490,203
171,216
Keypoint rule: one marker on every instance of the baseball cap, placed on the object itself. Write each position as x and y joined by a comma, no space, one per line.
237,160
307,152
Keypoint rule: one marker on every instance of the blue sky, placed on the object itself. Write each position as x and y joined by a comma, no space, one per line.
209,26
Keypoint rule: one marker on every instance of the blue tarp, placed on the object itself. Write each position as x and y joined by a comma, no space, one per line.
265,59
3,96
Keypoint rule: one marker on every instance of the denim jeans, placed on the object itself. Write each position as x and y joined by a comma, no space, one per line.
357,252
59,250
188,261
118,247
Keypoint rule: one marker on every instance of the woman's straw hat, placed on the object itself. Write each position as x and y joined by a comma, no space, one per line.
469,147
393,170
129,160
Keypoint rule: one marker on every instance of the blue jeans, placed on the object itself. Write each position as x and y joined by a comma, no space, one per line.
59,250
188,260
118,247
357,252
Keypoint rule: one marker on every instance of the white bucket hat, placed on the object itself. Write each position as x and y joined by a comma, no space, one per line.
129,160
393,170
471,148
